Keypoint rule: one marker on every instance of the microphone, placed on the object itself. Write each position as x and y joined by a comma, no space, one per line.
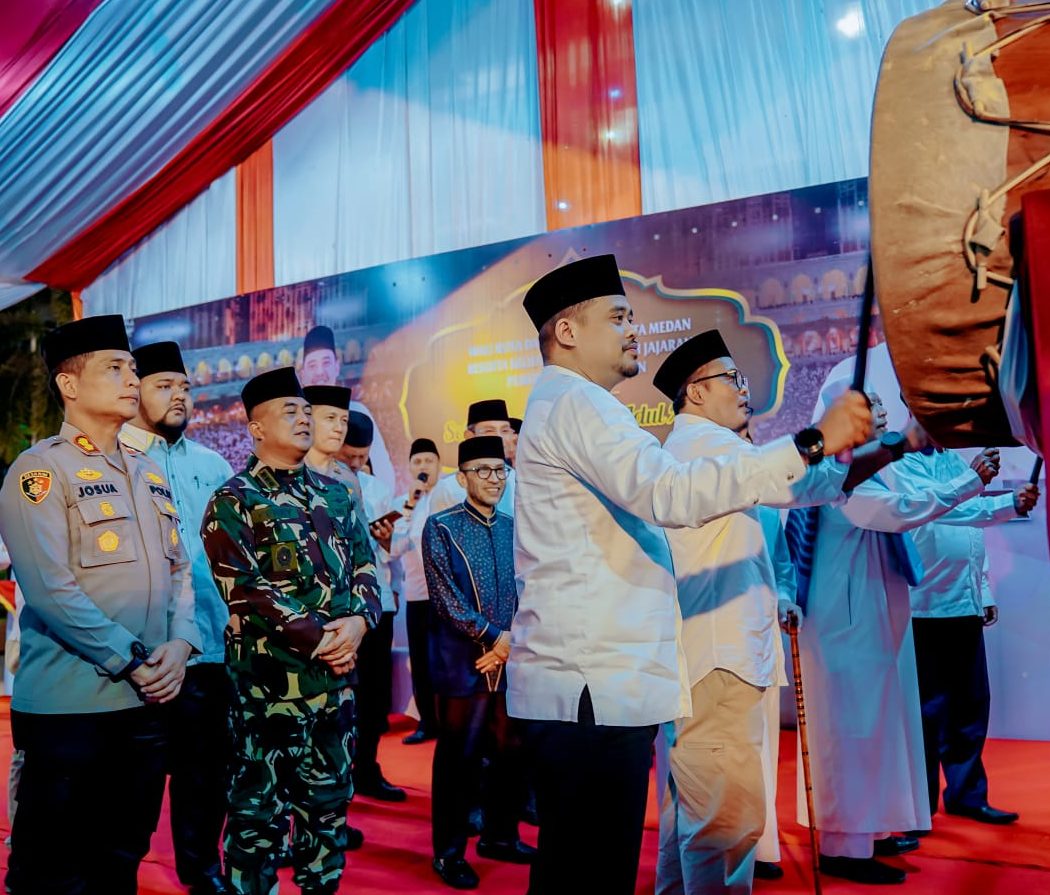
422,478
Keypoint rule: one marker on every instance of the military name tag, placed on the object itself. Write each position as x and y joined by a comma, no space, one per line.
284,557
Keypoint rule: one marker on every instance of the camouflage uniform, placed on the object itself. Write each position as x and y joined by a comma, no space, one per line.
289,553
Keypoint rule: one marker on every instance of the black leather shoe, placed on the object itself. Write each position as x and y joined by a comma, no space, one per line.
768,870
379,788
456,872
892,846
419,735
984,814
210,883
918,834
866,871
516,852
354,838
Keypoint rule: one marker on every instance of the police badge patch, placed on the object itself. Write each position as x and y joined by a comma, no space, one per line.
35,485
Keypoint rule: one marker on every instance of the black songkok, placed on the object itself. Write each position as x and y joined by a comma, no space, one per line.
360,430
686,359
485,411
159,357
570,285
320,337
328,396
422,446
104,333
278,383
515,424
483,447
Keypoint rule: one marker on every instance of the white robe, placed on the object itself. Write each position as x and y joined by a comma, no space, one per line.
858,665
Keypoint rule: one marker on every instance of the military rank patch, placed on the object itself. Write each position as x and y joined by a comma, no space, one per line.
106,508
35,485
108,541
284,557
86,444
89,475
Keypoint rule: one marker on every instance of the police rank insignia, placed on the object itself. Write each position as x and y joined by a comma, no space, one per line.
284,558
170,507
174,538
106,508
35,485
108,541
153,477
89,475
85,444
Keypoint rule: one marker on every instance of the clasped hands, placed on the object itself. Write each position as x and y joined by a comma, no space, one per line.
496,656
340,643
160,677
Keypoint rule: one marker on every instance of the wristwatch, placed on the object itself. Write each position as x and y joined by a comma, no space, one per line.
139,654
810,444
895,443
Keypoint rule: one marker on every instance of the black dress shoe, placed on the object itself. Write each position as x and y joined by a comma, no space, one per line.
985,814
379,788
516,852
210,883
768,870
354,838
918,834
866,871
892,846
456,872
419,735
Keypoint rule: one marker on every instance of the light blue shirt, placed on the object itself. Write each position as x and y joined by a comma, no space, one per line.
194,473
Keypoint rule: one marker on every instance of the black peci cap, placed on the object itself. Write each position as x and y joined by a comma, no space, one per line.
484,447
318,338
328,396
422,446
278,383
570,285
360,431
687,358
158,357
104,333
483,411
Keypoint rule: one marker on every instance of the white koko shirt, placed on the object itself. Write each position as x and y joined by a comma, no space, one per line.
597,602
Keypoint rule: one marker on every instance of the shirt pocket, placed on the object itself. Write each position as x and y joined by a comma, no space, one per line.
170,529
106,529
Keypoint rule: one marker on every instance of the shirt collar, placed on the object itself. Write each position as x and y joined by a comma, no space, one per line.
683,420
274,479
474,514
136,437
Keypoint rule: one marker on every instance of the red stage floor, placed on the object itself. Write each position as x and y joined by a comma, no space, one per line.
961,858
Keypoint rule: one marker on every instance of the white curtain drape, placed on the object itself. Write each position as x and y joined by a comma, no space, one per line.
430,142
191,259
744,97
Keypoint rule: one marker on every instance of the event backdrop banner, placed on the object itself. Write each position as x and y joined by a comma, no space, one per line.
780,275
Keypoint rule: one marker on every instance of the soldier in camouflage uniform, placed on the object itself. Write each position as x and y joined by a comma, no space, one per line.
292,560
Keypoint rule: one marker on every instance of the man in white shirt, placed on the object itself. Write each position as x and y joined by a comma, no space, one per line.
595,660
950,608
484,418
424,465
374,658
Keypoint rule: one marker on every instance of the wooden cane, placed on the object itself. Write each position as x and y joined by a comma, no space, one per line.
807,776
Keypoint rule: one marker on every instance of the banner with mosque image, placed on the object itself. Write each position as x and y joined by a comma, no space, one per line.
780,275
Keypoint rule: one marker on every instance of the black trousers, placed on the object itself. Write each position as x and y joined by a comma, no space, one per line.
88,801
199,764
953,687
372,694
471,728
417,624
591,783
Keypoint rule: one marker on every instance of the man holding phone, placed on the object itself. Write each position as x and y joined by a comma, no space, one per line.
468,556
374,662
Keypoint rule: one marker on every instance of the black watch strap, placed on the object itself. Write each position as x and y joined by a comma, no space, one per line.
139,654
895,443
810,444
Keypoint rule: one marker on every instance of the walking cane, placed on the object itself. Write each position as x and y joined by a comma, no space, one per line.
807,776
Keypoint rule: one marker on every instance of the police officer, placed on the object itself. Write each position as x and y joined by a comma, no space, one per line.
292,560
106,629
197,748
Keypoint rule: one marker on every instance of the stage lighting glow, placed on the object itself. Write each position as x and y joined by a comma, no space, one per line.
851,25
563,205
610,134
615,93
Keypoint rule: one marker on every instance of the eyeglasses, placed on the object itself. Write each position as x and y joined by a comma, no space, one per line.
485,472
739,379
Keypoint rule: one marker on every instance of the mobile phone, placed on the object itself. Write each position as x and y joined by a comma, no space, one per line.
390,517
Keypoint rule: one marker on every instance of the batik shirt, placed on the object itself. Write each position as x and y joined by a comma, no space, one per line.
290,553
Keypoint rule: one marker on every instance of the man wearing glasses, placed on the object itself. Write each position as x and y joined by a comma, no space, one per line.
468,556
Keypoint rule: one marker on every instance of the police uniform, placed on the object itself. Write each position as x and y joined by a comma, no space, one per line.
96,548
289,554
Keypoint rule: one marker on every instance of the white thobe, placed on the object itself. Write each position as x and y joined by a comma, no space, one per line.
597,603
407,545
858,662
379,500
448,493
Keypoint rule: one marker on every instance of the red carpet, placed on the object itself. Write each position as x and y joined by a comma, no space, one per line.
961,858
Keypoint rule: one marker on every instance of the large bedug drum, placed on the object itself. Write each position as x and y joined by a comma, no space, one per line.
960,141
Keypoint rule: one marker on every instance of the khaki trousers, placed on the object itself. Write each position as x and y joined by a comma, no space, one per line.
715,807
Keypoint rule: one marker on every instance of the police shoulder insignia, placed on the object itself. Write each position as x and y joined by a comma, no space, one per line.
89,475
174,538
154,478
86,444
35,485
108,541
